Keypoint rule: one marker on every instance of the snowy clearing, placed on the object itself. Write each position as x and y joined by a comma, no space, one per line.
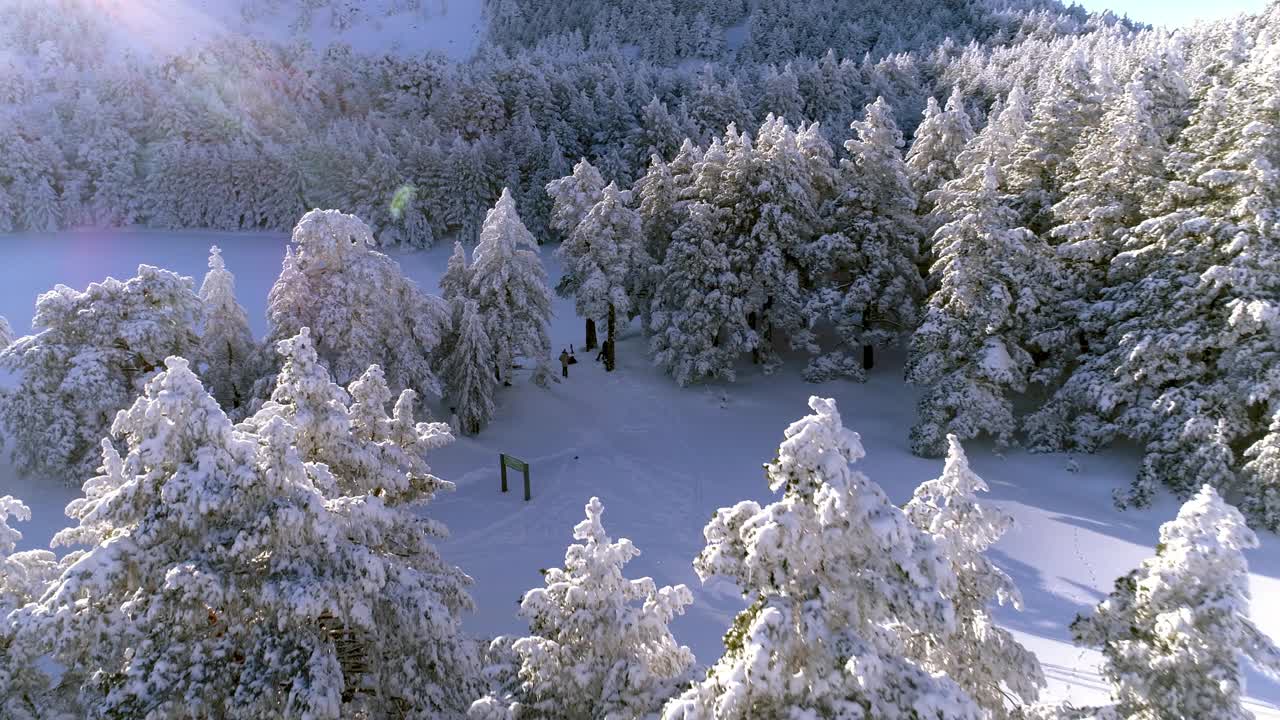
662,459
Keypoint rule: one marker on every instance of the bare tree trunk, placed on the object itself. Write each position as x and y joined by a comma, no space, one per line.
610,355
868,357
591,335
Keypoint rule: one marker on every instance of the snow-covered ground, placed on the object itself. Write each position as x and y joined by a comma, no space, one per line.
663,458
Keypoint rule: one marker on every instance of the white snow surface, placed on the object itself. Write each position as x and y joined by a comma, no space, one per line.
663,459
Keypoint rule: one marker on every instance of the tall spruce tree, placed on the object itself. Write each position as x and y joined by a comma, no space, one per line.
605,256
970,353
509,284
868,286
226,343
998,673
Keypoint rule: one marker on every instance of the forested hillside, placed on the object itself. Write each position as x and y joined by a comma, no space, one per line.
255,119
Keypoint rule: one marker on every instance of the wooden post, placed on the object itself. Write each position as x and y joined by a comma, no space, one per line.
506,461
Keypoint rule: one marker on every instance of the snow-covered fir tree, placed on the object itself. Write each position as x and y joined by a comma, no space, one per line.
455,283
1175,632
998,673
6,333
227,348
359,305
573,196
971,350
938,142
839,577
224,573
90,356
600,646
467,371
696,326
509,284
1041,164
868,286
1182,361
1118,166
605,264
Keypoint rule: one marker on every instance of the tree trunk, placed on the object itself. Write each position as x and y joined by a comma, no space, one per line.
868,357
591,335
752,322
611,343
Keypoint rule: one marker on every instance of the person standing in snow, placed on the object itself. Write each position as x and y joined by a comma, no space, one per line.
564,363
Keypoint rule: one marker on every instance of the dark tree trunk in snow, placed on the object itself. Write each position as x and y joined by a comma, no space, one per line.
611,347
591,335
753,322
868,357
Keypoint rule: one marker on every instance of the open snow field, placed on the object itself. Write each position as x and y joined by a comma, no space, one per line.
662,459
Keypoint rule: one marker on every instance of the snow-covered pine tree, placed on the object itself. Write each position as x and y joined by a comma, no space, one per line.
655,199
696,328
838,575
938,142
466,371
775,189
359,305
573,196
234,579
1185,362
455,283
1118,166
6,333
1041,165
600,646
605,265
91,355
509,284
1174,632
997,140
227,348
868,285
24,576
998,673
970,352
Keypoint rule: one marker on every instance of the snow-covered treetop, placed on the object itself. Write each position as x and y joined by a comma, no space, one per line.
841,578
948,506
457,275
6,333
11,507
91,353
573,195
1174,631
358,304
23,575
600,644
980,656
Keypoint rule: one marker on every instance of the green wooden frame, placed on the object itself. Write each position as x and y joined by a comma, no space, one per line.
507,461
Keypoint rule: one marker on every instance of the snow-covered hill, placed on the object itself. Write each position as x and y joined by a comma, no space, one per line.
663,458
157,29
